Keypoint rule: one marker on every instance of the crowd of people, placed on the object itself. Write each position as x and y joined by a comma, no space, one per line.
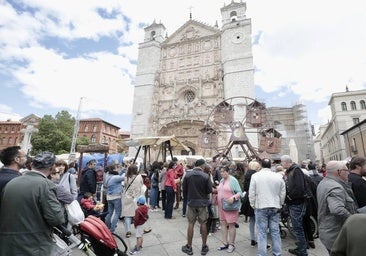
213,193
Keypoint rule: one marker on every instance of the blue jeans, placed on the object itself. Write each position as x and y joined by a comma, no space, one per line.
154,196
114,210
297,212
128,221
268,218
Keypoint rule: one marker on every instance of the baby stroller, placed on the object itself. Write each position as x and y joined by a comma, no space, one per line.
101,240
91,236
286,222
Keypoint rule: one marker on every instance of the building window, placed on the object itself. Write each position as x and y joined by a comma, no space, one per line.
86,128
10,141
353,105
355,120
344,106
94,128
2,140
233,16
189,96
93,139
363,105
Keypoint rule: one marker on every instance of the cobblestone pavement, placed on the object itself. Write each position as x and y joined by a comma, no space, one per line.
168,236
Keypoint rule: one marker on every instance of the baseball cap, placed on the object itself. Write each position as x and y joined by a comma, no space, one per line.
44,160
141,200
200,162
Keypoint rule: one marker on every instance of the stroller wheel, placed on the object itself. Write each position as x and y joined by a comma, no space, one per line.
283,233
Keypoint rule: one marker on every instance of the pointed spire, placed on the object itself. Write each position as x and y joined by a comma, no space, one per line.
190,12
347,88
216,24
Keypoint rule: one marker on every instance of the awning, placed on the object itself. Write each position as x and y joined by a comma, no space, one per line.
156,141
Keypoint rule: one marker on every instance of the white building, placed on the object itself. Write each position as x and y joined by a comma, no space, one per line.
347,109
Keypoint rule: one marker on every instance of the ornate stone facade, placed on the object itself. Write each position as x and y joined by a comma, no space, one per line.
181,78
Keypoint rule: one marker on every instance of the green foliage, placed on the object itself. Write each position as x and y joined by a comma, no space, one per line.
54,134
82,140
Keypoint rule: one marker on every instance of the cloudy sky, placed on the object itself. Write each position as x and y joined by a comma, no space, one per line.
53,53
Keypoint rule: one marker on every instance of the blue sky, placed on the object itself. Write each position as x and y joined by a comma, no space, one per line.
52,53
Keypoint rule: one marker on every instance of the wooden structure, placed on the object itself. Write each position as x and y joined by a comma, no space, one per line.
270,141
92,148
164,144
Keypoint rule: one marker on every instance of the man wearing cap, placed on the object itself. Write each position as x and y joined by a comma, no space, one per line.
197,186
29,210
336,202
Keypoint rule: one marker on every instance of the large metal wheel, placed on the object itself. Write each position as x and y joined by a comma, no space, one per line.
234,128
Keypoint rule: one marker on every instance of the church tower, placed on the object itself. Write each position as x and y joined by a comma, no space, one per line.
236,51
147,69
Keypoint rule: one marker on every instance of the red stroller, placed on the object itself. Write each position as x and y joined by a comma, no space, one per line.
101,239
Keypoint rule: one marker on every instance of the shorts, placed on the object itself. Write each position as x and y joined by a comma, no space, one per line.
139,231
197,213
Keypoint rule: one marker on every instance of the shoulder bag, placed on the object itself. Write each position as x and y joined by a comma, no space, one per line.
75,214
226,206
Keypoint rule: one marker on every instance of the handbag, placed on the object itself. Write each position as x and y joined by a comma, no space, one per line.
226,206
75,214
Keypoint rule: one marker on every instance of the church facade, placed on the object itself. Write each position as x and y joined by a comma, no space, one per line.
181,78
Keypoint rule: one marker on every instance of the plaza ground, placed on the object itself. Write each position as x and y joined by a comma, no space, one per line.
168,236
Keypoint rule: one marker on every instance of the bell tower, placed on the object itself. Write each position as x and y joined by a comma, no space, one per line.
146,75
236,50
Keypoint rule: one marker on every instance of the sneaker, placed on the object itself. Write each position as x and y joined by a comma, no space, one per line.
147,230
294,251
204,249
231,248
128,234
311,244
253,243
187,249
223,247
135,251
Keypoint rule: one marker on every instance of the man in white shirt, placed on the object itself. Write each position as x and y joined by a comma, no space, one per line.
267,194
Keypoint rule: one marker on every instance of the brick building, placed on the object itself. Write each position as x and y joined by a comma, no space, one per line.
98,131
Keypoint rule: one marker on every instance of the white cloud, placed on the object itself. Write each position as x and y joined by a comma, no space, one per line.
7,113
309,48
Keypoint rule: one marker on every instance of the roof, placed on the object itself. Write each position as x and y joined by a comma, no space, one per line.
98,120
157,141
353,127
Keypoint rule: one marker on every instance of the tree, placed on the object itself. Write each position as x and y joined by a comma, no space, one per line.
54,134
